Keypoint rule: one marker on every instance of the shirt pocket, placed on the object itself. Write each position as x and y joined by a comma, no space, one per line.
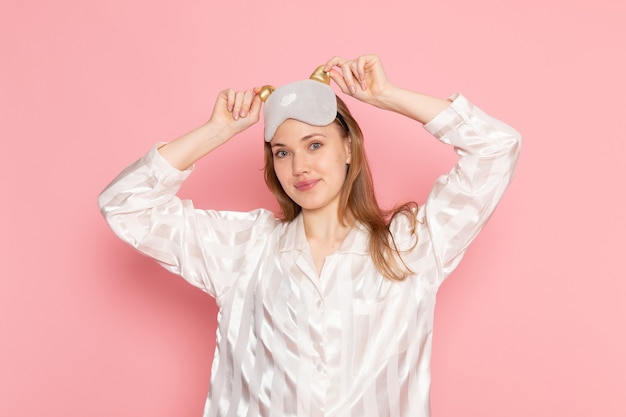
366,307
379,332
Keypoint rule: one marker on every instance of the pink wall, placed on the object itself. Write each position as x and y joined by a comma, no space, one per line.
532,323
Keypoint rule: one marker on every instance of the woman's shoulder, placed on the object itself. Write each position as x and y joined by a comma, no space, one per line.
405,225
259,216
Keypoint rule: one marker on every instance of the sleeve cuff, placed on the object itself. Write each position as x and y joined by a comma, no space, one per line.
162,169
451,117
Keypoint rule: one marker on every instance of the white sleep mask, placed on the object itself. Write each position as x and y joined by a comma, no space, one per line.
310,101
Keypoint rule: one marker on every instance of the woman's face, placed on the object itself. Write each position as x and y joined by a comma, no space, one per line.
310,163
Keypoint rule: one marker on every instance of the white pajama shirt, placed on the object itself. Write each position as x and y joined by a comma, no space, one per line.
347,342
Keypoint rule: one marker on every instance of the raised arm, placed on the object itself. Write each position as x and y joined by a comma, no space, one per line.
234,112
206,247
460,202
364,78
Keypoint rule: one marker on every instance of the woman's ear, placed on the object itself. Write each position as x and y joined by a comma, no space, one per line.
348,145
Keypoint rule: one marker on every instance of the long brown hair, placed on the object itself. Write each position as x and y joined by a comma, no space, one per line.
357,198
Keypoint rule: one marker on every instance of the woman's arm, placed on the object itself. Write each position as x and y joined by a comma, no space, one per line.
364,78
234,112
210,249
460,202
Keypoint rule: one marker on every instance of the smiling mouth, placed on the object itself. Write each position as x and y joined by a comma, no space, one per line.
306,185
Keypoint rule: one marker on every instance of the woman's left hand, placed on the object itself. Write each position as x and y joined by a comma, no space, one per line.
363,78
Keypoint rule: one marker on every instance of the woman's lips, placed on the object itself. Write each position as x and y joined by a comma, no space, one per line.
306,185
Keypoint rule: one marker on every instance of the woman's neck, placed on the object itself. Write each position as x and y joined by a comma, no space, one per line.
325,225
325,234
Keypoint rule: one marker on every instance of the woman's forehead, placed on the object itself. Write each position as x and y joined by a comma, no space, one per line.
294,130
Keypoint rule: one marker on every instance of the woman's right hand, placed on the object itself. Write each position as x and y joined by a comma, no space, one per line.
235,111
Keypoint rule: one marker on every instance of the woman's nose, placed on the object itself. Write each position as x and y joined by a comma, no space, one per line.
300,164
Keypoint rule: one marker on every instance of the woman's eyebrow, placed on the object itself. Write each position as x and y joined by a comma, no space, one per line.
312,135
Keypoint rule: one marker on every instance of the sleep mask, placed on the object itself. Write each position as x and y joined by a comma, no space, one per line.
310,101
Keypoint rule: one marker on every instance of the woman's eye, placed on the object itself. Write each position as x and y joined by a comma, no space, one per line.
315,145
281,154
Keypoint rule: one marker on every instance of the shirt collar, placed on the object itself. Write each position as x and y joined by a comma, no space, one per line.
293,238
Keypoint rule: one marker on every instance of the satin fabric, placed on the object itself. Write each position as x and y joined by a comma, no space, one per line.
347,342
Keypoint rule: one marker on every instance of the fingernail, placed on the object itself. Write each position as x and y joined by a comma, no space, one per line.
236,115
352,89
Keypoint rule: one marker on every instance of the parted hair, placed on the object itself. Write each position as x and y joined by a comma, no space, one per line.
357,199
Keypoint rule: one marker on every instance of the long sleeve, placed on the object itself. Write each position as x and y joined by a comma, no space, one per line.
210,249
461,202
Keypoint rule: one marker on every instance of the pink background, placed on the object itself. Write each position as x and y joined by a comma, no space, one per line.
531,324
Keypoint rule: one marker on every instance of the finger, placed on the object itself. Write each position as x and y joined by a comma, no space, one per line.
354,68
248,95
237,104
360,69
255,107
348,77
337,77
334,61
230,99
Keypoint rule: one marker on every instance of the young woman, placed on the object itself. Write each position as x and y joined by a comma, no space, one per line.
327,311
